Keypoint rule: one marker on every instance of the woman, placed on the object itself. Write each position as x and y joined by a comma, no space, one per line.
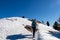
34,27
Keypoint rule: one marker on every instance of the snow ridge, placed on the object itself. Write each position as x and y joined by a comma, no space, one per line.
15,26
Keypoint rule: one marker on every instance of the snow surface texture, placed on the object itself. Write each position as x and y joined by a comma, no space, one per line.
13,29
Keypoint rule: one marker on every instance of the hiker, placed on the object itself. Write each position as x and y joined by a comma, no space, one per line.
34,27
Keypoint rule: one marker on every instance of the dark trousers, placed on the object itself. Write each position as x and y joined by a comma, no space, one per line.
34,28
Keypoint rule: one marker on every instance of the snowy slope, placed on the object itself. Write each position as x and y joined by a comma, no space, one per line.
14,27
48,33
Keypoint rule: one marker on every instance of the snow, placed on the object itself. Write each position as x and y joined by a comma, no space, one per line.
44,32
13,28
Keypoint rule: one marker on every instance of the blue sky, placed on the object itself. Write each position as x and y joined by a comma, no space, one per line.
46,10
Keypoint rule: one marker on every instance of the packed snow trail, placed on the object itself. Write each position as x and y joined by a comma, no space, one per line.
13,28
37,36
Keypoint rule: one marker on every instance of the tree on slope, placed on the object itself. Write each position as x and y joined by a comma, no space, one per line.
55,26
58,20
23,16
48,23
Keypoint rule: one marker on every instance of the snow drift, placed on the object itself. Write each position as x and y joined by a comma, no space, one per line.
13,28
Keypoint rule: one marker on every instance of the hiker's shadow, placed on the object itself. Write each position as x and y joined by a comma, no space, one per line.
56,34
18,36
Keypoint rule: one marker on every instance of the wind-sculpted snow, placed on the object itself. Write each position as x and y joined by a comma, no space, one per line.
13,28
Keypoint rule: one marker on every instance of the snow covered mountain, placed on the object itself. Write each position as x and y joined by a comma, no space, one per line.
13,29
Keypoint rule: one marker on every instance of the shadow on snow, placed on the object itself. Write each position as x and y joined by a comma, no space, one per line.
56,34
18,36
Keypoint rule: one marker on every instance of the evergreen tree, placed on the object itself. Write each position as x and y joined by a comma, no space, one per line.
58,23
59,20
23,16
48,23
55,26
